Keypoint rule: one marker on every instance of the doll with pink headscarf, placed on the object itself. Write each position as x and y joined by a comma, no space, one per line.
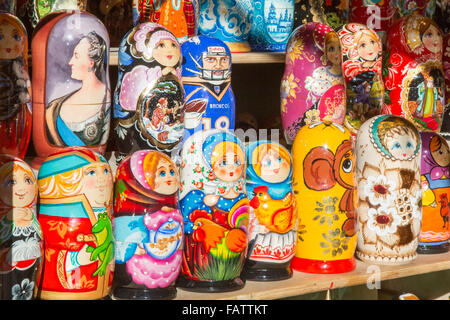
149,79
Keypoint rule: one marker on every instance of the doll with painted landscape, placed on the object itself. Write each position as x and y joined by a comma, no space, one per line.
388,152
214,204
148,227
149,97
435,178
273,212
20,233
15,89
75,190
312,87
362,54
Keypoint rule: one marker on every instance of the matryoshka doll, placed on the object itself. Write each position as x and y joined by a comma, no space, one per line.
71,98
273,212
215,208
312,87
229,21
389,190
376,15
445,128
435,179
362,54
272,24
325,193
76,190
179,16
21,236
15,87
148,227
414,79
210,102
422,7
331,12
149,97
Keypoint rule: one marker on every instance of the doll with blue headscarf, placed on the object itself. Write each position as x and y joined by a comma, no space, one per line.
214,204
272,219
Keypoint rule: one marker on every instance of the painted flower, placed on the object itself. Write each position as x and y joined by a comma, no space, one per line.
383,220
312,116
288,86
408,205
379,190
24,291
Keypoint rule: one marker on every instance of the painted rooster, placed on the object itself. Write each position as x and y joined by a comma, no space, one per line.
277,215
221,241
445,213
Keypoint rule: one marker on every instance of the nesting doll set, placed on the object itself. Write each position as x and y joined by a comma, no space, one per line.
362,65
179,16
445,127
149,97
323,183
71,95
273,22
20,233
229,21
15,87
273,212
75,212
312,87
414,77
148,227
435,179
210,102
388,151
215,208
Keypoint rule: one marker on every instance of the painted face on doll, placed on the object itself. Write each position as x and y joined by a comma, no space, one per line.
80,63
166,178
401,145
97,184
440,152
333,51
229,168
216,62
432,39
167,53
368,48
18,189
274,168
11,41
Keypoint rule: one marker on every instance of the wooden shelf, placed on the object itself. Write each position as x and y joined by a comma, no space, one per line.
302,283
237,58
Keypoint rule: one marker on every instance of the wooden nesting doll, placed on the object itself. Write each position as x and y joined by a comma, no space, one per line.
21,236
229,21
179,16
210,102
361,66
15,87
272,24
148,227
273,212
312,87
38,9
116,15
325,192
445,127
389,211
76,190
71,98
149,97
413,77
377,15
215,207
435,179
331,12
